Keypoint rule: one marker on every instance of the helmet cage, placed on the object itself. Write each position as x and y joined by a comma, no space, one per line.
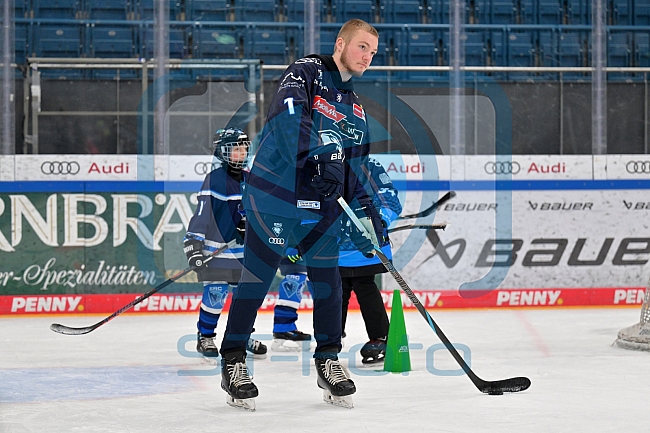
224,142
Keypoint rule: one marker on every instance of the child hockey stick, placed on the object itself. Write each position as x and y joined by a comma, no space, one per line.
496,387
67,330
428,211
419,226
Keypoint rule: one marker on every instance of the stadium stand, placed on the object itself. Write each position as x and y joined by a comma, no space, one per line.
413,32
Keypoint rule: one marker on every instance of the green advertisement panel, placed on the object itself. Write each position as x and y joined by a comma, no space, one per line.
92,242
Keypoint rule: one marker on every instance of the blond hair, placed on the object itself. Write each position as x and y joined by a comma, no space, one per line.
349,29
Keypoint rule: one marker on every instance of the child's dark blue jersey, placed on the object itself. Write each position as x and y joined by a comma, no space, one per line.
214,222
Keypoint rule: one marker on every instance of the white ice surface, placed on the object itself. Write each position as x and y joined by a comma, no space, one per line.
129,376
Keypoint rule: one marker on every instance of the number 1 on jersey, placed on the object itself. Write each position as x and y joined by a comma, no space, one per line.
289,102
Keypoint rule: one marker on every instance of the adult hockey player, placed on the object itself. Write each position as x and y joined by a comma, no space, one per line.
358,272
219,219
297,175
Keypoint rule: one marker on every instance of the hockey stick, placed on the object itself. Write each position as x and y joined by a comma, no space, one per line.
419,226
428,211
496,387
67,330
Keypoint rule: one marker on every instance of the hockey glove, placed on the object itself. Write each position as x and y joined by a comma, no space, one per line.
362,241
371,220
241,231
293,255
329,180
193,249
366,240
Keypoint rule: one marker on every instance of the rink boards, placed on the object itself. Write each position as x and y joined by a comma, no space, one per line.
88,234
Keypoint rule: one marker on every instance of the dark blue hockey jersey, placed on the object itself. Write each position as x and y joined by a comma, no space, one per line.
215,223
312,113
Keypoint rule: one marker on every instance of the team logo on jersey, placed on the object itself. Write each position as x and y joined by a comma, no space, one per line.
326,109
348,130
384,178
277,228
291,80
338,97
328,136
308,204
318,81
357,110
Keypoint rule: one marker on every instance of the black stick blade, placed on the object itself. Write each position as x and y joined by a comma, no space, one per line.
498,387
66,330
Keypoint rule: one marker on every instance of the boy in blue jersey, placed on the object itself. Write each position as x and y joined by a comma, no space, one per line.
219,219
358,273
310,153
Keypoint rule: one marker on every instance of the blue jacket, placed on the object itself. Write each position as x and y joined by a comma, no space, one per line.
385,199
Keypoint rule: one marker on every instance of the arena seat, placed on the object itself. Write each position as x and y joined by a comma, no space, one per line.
642,49
619,13
641,13
267,44
405,12
619,49
344,10
109,9
256,10
178,44
208,10
550,12
62,9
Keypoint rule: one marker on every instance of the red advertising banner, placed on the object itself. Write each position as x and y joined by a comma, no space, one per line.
179,303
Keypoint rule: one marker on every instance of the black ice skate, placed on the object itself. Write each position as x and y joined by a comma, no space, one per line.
256,348
207,347
236,381
335,382
292,341
373,352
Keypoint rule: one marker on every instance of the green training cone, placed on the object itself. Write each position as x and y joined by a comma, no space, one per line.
397,358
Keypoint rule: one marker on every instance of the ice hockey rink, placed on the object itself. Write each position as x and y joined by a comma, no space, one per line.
137,373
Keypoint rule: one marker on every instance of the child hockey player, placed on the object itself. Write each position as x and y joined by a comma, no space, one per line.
219,219
358,272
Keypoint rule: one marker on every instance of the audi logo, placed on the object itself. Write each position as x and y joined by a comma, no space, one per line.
502,167
203,168
638,167
276,241
60,167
